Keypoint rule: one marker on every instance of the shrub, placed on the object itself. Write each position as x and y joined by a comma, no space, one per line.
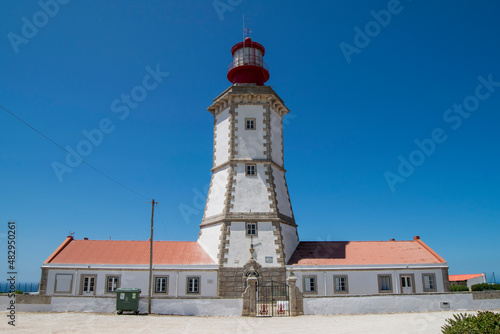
483,322
18,292
454,288
485,286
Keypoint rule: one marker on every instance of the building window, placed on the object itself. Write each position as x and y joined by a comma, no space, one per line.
384,283
340,284
250,123
310,284
429,282
112,283
193,285
161,285
64,283
250,170
251,228
87,287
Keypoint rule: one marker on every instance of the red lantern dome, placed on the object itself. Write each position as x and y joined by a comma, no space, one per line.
248,65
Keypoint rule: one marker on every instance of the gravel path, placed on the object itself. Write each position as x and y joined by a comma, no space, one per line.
400,323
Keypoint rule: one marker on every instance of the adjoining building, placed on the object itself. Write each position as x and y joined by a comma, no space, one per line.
467,280
183,269
248,232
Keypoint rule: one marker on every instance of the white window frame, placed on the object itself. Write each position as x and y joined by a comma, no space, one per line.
192,288
248,228
307,286
165,285
380,278
82,284
114,286
337,283
431,288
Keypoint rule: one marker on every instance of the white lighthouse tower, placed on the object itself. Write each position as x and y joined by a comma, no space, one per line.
248,224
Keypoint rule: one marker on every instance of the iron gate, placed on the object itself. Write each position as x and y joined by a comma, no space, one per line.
272,300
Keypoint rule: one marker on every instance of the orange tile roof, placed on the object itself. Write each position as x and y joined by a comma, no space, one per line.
455,278
128,252
364,253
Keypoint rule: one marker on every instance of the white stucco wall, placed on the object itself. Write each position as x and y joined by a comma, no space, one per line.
284,205
233,307
250,191
209,240
276,138
222,137
365,281
198,307
290,240
177,280
396,304
263,243
88,304
250,143
217,193
178,306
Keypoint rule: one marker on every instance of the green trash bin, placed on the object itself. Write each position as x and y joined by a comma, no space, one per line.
127,299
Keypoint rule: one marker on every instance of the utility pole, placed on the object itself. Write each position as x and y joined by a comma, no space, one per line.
153,203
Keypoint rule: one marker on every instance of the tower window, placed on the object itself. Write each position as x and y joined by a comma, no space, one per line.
250,170
251,228
250,123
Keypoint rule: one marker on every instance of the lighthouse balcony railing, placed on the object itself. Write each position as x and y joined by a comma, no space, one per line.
255,61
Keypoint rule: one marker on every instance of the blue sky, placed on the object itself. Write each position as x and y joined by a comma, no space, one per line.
359,102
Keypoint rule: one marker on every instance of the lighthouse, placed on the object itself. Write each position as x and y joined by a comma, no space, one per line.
248,226
248,249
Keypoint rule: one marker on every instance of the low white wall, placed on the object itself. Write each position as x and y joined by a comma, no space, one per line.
396,304
233,307
195,307
84,304
198,307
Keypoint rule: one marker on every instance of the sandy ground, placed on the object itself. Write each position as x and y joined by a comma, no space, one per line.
400,323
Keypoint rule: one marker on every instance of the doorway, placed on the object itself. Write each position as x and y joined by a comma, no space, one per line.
407,284
273,300
88,285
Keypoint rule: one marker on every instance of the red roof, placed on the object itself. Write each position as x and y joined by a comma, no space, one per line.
364,253
128,252
455,278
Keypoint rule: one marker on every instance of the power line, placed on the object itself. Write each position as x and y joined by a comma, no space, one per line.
163,222
75,156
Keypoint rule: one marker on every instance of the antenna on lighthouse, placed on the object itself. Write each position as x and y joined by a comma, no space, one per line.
247,30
